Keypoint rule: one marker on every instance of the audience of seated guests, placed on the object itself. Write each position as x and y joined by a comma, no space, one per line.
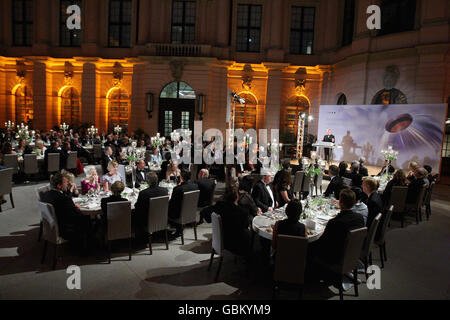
112,176
236,234
374,202
71,222
415,185
284,192
398,180
173,173
141,173
387,168
206,186
328,249
107,157
92,181
143,201
116,189
263,193
362,169
343,172
411,173
360,207
355,175
177,197
246,200
72,190
336,184
291,226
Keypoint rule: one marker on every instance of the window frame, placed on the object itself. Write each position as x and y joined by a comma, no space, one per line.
385,6
24,23
302,30
249,28
183,24
121,23
348,21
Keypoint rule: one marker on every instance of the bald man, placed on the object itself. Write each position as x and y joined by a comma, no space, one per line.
207,187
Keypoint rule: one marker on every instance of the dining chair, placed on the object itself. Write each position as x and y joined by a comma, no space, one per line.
366,252
121,170
188,212
50,230
217,246
347,182
318,182
298,181
53,162
307,186
427,200
118,215
30,164
290,262
39,194
97,148
398,200
157,218
380,238
416,207
72,160
6,184
11,161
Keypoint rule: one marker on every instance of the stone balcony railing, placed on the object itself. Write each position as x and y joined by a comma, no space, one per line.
179,50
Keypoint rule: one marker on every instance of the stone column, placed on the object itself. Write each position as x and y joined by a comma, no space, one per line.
88,101
273,96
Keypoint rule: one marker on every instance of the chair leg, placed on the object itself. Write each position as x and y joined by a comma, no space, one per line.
300,290
129,249
218,269
40,230
365,268
55,256
167,239
150,243
109,251
355,281
12,200
182,235
341,293
1,208
274,290
370,258
402,218
381,257
211,259
384,251
44,252
252,241
417,216
195,230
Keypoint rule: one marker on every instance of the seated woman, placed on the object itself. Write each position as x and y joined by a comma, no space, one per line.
343,172
173,173
155,157
290,226
92,181
246,201
116,189
412,169
399,179
72,190
112,176
21,146
283,188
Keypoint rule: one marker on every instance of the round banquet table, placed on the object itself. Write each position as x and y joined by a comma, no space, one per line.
318,217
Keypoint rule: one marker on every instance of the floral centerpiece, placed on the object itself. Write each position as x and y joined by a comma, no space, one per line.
389,154
157,140
117,129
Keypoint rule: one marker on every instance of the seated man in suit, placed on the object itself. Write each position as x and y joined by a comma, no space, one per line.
374,201
328,250
107,157
73,225
142,204
81,152
206,186
263,193
355,176
387,169
362,169
141,173
177,197
415,185
336,184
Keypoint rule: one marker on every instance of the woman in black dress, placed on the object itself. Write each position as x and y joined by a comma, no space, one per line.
283,188
290,226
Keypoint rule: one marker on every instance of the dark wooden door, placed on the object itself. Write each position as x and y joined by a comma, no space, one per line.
175,114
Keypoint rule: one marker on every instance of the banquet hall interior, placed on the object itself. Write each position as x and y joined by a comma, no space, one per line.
225,150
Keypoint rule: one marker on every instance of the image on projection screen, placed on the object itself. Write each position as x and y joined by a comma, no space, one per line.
415,131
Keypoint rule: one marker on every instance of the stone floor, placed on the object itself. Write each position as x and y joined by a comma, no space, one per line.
417,268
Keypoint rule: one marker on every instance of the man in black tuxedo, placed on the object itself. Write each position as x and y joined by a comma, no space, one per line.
207,187
336,184
329,248
107,156
142,204
374,202
263,193
362,169
81,152
177,197
73,225
328,138
387,169
141,173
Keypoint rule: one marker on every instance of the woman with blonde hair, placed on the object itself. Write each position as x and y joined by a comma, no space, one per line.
412,168
173,173
72,190
92,181
112,176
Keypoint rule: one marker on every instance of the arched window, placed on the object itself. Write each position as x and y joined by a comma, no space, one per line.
392,96
70,106
178,90
291,110
342,100
245,114
118,110
24,105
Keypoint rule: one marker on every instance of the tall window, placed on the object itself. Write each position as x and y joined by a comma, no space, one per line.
342,100
68,38
119,23
118,110
349,22
183,21
70,107
24,105
22,20
302,30
397,16
245,114
248,36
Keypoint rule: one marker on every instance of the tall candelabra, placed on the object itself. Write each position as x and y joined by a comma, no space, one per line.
92,131
64,127
9,125
157,140
117,129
